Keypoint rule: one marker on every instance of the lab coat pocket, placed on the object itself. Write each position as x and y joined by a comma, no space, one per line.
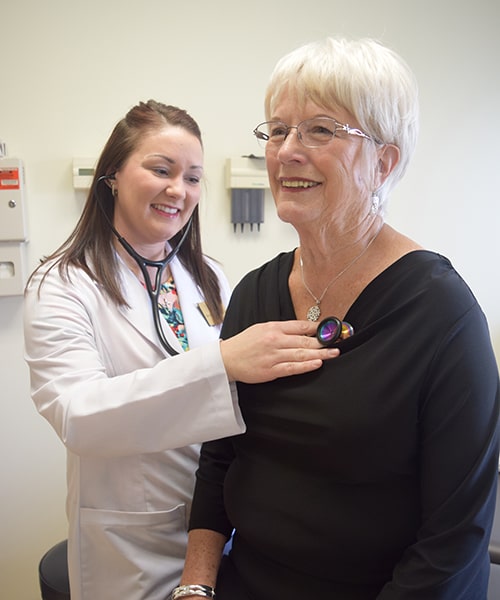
131,554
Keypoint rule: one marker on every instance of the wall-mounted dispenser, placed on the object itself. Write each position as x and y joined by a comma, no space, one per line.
12,268
246,177
13,218
13,227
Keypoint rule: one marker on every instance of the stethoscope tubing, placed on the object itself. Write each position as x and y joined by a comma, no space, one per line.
329,331
143,263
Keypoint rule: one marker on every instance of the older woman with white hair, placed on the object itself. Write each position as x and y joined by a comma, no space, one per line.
374,476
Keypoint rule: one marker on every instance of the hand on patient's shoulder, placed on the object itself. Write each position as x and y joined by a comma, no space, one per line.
266,351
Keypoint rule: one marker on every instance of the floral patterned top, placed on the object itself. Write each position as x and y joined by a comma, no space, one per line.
170,308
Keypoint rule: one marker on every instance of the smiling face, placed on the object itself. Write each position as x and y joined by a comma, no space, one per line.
323,185
158,188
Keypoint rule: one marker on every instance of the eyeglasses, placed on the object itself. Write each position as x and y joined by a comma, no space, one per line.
312,133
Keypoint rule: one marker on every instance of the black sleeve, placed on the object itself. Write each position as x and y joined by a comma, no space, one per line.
458,466
208,510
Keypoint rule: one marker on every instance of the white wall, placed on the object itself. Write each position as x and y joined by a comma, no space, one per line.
71,70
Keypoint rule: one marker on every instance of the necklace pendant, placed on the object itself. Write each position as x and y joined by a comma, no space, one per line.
314,313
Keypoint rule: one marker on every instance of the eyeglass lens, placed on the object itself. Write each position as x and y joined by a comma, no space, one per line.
311,132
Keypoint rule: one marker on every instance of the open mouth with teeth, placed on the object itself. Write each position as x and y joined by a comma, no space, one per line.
298,183
168,210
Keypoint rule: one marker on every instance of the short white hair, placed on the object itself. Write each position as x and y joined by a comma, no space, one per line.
369,80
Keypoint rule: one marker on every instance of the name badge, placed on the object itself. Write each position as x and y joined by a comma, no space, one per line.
207,315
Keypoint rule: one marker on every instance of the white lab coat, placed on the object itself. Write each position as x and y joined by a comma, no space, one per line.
131,418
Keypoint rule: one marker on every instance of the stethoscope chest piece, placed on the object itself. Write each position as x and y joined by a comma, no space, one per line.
331,329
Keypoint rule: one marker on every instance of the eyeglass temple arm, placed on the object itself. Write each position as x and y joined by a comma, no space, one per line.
260,134
353,131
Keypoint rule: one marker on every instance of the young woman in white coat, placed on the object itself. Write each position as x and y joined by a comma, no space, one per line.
122,341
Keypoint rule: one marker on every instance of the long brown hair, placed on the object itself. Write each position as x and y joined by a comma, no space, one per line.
90,246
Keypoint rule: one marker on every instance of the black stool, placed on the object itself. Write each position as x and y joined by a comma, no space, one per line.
53,573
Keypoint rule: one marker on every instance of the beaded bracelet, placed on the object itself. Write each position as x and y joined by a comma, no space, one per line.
205,591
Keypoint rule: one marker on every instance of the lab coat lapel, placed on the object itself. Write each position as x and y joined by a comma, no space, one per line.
139,312
197,328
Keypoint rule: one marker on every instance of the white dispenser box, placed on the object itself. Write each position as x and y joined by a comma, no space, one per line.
13,227
13,213
12,268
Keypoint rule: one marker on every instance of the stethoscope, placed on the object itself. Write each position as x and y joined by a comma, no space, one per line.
142,262
331,330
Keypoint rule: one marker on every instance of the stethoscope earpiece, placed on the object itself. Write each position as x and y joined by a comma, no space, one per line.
153,290
331,329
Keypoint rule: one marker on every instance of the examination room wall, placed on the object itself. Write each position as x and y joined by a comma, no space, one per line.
71,70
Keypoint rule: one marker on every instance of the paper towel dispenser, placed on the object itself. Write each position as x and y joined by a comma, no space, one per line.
13,226
13,212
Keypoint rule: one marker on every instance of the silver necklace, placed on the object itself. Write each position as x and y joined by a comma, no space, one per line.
314,312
